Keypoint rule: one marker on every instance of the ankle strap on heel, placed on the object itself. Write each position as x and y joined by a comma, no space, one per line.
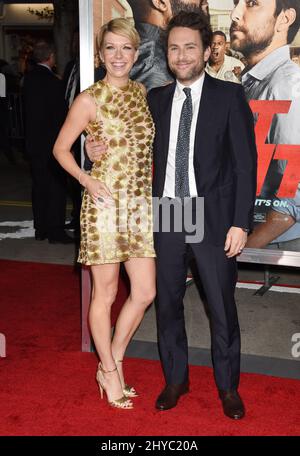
106,372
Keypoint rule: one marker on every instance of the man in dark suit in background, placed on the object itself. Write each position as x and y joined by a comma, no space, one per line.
4,117
45,111
71,80
204,147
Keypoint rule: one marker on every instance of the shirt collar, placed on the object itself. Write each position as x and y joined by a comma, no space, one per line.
46,66
268,64
196,87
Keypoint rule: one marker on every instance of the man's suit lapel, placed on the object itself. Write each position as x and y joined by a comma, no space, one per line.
165,116
206,115
207,111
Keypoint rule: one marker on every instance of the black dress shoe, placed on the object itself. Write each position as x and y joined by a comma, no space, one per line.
169,396
40,235
233,406
61,239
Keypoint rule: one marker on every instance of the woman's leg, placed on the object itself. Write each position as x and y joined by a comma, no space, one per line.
105,286
141,272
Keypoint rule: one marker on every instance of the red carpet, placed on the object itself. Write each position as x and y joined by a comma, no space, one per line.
48,387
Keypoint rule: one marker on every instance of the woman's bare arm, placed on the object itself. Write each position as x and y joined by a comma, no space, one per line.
82,111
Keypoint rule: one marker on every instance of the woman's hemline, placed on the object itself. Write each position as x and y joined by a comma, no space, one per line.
114,261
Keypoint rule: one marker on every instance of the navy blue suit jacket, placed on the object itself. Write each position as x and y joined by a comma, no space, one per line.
225,157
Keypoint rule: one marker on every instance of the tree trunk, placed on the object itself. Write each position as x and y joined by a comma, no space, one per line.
66,19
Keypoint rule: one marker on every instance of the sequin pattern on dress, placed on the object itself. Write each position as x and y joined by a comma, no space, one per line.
123,230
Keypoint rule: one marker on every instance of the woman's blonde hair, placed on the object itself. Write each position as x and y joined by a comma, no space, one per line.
119,26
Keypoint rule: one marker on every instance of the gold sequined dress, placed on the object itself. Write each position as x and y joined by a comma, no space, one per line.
122,230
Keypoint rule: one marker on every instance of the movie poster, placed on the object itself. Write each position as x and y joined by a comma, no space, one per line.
258,46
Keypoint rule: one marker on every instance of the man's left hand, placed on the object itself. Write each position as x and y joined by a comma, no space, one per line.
235,241
94,149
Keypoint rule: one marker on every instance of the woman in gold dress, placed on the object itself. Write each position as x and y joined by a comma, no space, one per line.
116,214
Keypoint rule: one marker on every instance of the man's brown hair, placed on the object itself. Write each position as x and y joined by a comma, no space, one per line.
194,21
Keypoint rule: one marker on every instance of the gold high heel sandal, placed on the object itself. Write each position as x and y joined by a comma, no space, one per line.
123,402
128,390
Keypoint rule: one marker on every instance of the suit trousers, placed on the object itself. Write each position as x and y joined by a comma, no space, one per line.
218,275
49,197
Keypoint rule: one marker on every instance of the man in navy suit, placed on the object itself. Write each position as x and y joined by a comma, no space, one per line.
204,147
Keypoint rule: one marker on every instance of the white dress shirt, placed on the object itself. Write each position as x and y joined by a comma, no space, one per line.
178,100
46,66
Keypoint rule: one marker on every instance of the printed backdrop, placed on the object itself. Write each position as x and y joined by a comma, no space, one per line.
271,79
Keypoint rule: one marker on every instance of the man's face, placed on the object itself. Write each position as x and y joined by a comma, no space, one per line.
218,48
253,25
189,5
186,56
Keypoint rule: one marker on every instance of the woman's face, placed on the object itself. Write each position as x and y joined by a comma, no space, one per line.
118,54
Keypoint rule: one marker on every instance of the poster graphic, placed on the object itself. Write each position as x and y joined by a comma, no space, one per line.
257,44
